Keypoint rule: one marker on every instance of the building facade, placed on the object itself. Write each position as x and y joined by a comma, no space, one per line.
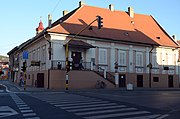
129,48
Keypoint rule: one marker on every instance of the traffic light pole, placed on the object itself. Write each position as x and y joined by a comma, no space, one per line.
25,77
23,68
67,51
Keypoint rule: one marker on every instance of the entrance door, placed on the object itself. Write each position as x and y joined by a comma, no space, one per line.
76,56
122,80
40,80
139,80
170,81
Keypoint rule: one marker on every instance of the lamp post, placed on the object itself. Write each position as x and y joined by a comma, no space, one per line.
100,25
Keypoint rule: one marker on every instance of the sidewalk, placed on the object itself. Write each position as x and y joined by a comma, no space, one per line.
14,87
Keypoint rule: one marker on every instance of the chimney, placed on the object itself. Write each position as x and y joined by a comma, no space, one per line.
174,37
111,7
131,12
49,20
65,12
81,3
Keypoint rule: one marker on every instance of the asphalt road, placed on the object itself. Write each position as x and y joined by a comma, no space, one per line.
89,104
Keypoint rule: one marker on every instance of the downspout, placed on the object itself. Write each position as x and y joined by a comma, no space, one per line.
49,51
150,65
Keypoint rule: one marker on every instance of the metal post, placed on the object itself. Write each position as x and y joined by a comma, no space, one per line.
67,77
150,66
25,76
67,51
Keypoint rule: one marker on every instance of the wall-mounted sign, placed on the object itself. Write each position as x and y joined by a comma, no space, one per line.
35,63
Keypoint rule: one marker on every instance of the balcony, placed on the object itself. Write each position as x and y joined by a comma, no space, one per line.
61,65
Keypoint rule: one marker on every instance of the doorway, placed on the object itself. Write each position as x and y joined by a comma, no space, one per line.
76,57
122,80
40,80
170,81
139,80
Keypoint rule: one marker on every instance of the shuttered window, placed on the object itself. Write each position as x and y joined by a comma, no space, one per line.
102,56
122,58
139,59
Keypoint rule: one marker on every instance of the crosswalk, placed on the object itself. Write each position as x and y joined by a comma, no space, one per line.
25,110
92,108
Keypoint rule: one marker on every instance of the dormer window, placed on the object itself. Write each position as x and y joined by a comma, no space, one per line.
158,37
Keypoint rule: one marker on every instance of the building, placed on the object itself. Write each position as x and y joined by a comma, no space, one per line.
4,68
141,50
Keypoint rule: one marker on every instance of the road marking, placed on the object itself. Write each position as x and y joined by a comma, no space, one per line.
24,105
106,111
117,115
85,103
145,117
25,111
20,103
1,91
69,102
96,108
163,116
33,118
22,108
7,111
84,106
29,114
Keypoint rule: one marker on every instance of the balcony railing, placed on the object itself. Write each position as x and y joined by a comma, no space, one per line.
61,65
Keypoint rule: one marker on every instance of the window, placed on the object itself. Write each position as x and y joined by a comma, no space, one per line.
139,59
43,56
102,56
170,59
38,54
122,58
154,60
155,79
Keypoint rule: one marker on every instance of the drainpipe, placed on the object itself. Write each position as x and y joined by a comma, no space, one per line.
49,50
150,65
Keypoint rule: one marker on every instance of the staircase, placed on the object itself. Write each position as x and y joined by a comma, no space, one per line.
109,76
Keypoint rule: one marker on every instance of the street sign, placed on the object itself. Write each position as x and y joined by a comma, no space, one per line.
25,54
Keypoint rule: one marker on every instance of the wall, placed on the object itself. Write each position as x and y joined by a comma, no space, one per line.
77,79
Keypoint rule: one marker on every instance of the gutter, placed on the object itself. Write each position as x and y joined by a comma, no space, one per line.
150,65
49,51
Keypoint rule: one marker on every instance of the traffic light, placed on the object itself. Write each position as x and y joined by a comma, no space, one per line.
23,68
100,22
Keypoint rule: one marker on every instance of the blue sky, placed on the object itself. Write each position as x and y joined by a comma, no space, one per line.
20,18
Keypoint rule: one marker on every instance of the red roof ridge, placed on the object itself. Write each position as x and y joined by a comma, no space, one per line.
165,32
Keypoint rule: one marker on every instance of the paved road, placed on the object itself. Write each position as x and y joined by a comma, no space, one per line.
89,104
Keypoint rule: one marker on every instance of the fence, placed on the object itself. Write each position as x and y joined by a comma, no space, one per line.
60,64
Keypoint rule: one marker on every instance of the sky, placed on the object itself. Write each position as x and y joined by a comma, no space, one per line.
20,18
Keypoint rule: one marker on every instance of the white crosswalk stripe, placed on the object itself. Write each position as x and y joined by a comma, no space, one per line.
96,108
105,111
85,103
92,108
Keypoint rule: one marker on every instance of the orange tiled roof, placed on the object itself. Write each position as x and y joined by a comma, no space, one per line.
117,25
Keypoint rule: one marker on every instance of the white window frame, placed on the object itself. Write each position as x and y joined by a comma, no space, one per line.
43,55
122,58
139,59
171,59
103,57
154,60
